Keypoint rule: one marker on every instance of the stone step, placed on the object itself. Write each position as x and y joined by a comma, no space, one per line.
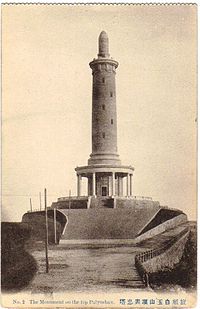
135,284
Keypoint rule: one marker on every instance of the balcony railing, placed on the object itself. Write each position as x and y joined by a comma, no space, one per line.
135,197
67,198
140,197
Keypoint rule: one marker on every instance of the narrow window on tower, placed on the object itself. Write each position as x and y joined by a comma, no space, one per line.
103,107
111,121
111,94
103,135
103,80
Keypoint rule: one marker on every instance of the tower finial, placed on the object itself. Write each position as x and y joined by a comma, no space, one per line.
103,45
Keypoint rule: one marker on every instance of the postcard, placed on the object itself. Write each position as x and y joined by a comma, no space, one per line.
99,122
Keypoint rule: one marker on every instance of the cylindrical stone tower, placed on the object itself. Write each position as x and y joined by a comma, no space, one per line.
104,115
104,170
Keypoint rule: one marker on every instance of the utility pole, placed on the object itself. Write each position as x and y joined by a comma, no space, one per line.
31,207
40,198
46,228
69,199
54,219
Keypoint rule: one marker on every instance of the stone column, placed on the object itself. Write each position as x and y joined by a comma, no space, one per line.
113,183
93,184
127,185
78,185
121,186
118,186
89,186
131,184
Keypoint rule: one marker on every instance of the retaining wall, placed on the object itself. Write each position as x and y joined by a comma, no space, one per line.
81,203
163,215
130,202
169,258
169,224
36,223
165,262
99,223
105,223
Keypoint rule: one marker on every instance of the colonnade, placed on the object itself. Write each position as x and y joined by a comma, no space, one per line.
129,184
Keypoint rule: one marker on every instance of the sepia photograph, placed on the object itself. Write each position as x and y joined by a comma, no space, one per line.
99,151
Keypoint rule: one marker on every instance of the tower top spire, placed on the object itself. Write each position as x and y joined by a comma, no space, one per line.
103,45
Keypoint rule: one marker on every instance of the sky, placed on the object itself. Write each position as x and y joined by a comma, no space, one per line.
47,99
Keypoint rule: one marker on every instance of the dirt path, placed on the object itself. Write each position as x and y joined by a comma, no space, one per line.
87,270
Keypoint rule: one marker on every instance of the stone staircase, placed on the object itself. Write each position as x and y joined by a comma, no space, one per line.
134,280
101,202
118,269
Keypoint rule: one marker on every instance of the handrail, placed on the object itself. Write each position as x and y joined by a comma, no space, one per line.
149,254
